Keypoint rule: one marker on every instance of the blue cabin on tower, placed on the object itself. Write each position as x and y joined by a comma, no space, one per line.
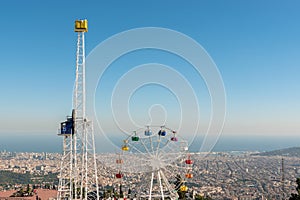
67,127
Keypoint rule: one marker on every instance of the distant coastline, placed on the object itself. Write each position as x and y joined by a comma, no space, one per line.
48,142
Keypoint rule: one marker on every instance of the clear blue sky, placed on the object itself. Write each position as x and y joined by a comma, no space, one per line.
255,44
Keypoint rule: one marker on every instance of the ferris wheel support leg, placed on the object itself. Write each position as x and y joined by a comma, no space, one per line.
151,185
160,185
174,195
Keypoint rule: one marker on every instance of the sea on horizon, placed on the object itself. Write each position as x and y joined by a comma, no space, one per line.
48,142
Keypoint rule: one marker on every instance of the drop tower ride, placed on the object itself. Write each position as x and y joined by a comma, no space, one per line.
78,178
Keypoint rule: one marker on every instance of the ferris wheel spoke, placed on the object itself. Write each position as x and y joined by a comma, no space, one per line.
145,147
171,183
166,144
167,158
170,188
143,167
173,149
169,150
135,148
177,166
139,151
135,160
151,143
143,161
157,147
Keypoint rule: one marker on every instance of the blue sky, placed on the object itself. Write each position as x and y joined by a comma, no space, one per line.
255,44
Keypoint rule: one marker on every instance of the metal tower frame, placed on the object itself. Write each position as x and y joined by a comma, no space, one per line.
78,174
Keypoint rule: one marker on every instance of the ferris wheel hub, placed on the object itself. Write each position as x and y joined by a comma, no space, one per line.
156,163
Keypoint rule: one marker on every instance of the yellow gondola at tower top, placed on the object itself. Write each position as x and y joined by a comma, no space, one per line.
81,25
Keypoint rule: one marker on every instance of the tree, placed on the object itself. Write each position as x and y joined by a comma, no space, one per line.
199,197
178,184
296,196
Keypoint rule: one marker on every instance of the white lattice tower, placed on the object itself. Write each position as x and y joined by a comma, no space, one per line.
82,175
64,186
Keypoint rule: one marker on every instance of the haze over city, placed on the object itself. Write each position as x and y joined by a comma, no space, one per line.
255,46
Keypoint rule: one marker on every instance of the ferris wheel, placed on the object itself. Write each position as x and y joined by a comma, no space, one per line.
158,159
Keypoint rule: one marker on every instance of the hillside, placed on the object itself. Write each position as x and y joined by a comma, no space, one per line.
291,152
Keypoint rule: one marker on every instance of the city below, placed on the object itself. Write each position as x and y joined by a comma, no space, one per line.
150,100
218,175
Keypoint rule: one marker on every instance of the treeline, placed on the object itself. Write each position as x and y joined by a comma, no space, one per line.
8,177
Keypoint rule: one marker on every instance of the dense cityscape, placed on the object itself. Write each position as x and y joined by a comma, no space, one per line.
220,175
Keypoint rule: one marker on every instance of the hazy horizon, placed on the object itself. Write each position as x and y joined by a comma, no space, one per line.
45,142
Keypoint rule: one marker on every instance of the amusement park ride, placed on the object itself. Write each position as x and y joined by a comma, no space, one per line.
163,157
78,177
